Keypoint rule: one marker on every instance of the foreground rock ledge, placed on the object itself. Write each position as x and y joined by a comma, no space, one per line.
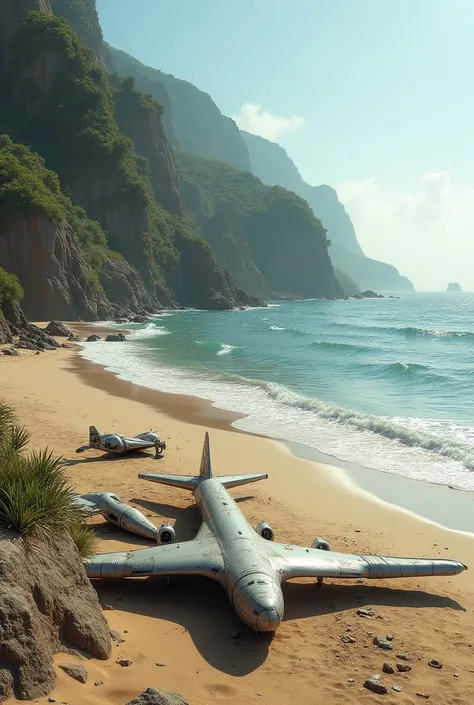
158,696
47,605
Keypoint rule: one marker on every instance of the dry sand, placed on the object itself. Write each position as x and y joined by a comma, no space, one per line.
186,626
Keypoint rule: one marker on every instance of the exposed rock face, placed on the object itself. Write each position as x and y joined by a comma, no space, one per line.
233,253
13,14
454,286
47,605
58,329
83,18
199,125
158,696
47,261
271,163
199,281
139,118
123,285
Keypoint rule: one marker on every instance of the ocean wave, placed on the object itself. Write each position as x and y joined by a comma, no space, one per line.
219,349
382,426
151,330
435,333
406,368
333,345
276,328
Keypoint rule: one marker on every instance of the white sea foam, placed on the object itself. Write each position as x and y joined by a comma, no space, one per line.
431,450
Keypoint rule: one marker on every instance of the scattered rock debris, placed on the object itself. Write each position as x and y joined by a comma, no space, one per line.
382,643
388,668
158,696
403,667
403,657
124,662
397,688
346,639
375,686
425,696
365,612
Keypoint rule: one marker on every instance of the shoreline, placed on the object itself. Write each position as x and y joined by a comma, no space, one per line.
449,507
187,626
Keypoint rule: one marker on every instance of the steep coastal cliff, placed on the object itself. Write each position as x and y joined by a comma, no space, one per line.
60,101
271,163
287,243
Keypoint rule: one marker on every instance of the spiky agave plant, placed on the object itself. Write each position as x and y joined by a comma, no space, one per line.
35,498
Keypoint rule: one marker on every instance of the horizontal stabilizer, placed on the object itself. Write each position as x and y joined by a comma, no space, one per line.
186,482
237,480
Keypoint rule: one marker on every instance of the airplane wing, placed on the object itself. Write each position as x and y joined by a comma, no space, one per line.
201,556
299,562
89,506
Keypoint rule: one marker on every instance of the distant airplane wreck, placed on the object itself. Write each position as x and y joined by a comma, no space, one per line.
124,516
115,443
244,560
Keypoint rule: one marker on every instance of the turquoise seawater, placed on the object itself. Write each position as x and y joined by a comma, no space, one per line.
388,383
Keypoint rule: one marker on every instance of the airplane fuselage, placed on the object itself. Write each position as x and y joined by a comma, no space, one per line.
251,583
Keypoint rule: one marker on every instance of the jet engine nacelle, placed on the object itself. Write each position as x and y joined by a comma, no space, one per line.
265,531
321,544
166,534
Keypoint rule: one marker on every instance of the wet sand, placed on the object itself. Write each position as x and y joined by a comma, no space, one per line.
187,625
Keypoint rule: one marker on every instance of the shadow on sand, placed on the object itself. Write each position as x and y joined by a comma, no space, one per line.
109,458
201,607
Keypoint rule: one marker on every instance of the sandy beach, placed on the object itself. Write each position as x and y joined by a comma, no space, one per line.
185,627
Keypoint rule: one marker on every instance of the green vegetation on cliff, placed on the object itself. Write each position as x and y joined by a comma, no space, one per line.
82,16
27,187
288,243
73,125
11,291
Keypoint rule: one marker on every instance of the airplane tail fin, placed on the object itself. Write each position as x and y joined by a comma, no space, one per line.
205,472
93,435
189,482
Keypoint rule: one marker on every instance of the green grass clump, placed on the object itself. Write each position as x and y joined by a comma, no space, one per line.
35,499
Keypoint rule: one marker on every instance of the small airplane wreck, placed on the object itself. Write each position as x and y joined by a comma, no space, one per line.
246,561
117,444
124,516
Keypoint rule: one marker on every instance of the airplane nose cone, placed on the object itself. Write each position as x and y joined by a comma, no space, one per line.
268,619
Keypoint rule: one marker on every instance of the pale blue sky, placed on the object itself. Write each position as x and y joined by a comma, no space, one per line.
384,88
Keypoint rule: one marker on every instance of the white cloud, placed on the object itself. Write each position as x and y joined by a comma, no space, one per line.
253,118
427,233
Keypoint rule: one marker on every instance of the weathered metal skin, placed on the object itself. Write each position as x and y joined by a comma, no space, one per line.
118,444
119,514
250,568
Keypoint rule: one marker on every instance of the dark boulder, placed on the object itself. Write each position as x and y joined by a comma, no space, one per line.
115,338
158,696
57,329
93,338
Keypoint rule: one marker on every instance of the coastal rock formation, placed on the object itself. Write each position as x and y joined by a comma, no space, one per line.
287,243
271,163
454,286
15,329
233,253
47,605
13,12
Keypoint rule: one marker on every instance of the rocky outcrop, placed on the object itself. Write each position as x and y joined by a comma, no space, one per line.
45,257
233,254
13,12
47,605
199,281
15,329
58,329
271,163
454,286
123,285
199,126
